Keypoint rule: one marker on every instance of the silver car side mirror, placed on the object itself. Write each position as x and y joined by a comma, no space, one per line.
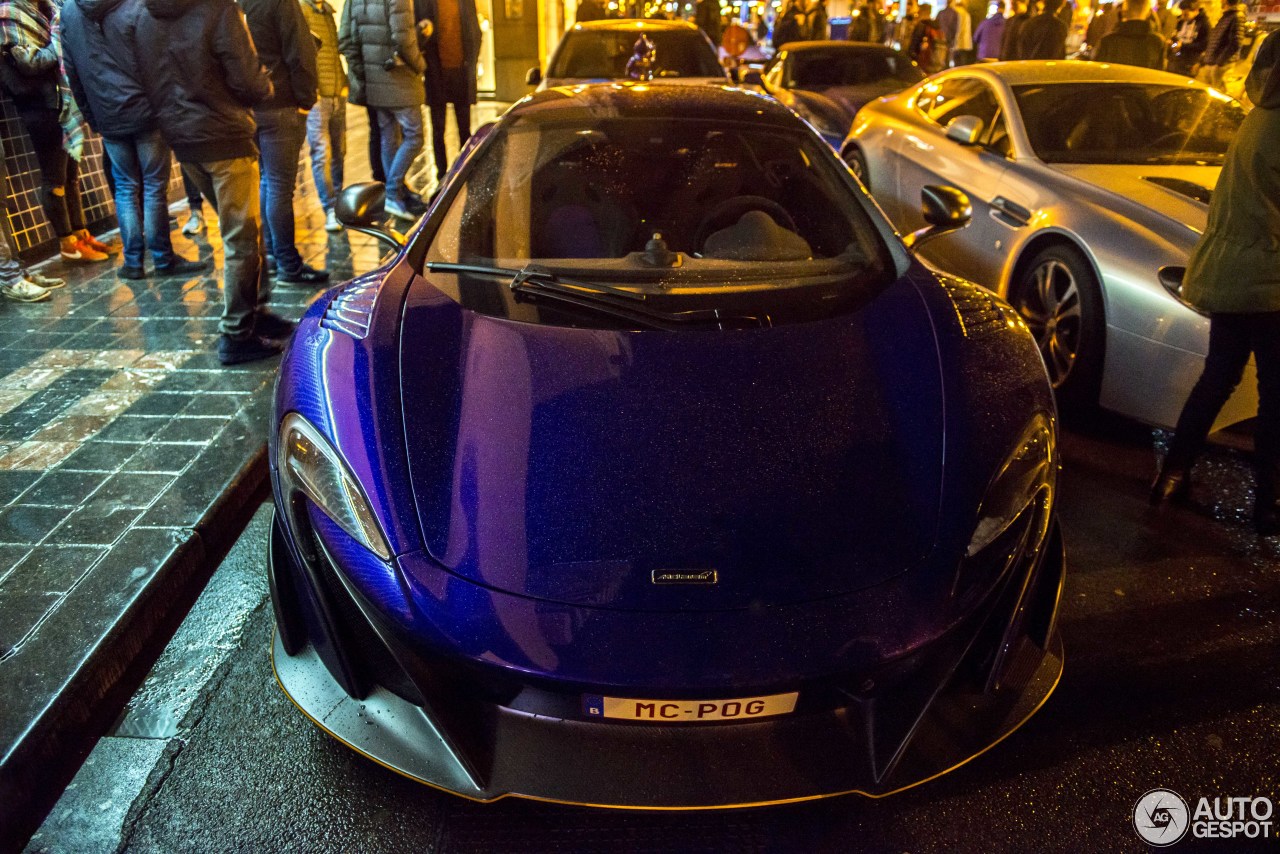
945,209
965,129
533,76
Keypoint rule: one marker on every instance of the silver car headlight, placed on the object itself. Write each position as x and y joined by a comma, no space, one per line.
309,465
1028,476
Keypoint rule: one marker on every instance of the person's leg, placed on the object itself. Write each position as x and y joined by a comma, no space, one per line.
46,139
280,135
234,185
1265,338
108,172
462,114
338,143
75,208
409,120
439,116
154,158
375,146
129,204
388,131
192,190
318,120
1229,345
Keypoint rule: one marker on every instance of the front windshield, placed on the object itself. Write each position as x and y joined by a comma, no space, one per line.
1128,123
604,198
603,55
817,71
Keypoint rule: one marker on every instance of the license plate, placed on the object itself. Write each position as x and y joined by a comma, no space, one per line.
688,711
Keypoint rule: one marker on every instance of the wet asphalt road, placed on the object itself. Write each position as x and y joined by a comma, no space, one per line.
1171,623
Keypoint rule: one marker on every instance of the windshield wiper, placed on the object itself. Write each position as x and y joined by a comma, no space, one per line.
616,302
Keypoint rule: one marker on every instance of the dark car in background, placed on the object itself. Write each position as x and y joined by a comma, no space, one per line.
827,82
655,472
596,51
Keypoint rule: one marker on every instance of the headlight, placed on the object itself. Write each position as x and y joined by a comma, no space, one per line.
309,465
1028,475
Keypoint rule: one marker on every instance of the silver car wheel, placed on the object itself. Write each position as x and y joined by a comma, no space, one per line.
1051,307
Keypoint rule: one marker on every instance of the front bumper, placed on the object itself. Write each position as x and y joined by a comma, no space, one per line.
967,692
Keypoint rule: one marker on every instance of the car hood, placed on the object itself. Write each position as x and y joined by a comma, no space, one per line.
675,470
1179,193
553,82
846,100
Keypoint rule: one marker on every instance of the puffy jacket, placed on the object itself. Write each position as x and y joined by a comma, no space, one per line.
202,76
331,77
1224,40
286,48
373,34
1235,268
1132,43
95,49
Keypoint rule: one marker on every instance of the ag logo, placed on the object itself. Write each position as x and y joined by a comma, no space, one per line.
1161,817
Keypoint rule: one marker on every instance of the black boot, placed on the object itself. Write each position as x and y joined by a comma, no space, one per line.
1173,483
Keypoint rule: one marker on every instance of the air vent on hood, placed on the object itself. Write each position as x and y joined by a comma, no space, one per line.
978,311
351,309
1190,189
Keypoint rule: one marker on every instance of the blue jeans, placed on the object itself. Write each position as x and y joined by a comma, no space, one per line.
279,137
406,124
141,165
327,138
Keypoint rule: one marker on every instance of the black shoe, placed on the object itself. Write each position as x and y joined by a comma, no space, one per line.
1170,485
268,324
414,203
304,275
128,272
251,348
182,267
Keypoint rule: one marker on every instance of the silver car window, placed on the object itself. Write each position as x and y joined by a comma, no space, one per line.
944,100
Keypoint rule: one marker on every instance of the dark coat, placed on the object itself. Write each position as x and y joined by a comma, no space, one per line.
450,86
1187,55
373,33
1224,40
94,49
1132,43
1235,267
286,48
1043,36
202,75
1009,40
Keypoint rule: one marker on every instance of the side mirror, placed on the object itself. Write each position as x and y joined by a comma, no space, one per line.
945,209
361,207
753,77
964,129
533,76
1171,278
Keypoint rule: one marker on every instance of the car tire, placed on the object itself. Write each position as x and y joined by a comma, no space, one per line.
858,166
1057,293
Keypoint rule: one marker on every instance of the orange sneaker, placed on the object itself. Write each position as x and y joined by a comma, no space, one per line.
97,245
81,252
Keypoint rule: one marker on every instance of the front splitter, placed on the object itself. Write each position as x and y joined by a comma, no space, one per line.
789,760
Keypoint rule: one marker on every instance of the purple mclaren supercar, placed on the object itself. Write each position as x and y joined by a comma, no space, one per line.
653,471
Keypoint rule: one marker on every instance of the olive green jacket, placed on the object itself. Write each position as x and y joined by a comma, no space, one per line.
1235,268
319,16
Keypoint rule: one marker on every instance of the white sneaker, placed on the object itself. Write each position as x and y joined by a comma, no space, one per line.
331,223
397,210
24,291
194,223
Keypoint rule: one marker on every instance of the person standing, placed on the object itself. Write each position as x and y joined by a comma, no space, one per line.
1044,36
868,24
384,67
706,15
1190,39
452,50
1234,275
102,79
989,34
928,44
957,28
203,78
31,74
1224,44
288,51
327,121
1133,41
1013,29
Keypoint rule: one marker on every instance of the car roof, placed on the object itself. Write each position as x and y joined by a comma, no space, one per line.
633,24
657,99
830,46
1024,72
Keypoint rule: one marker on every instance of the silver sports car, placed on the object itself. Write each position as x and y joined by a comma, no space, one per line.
1090,185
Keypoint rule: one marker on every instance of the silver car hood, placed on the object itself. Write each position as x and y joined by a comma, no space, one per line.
1174,192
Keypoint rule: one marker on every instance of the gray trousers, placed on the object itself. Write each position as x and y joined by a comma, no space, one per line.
232,187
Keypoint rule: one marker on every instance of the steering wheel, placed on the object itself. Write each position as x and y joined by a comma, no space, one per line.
731,210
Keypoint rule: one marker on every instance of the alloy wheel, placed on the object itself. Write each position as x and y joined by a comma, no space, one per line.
1051,306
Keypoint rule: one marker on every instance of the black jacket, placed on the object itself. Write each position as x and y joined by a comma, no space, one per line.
1043,36
442,85
287,49
202,76
95,50
1132,43
1224,40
